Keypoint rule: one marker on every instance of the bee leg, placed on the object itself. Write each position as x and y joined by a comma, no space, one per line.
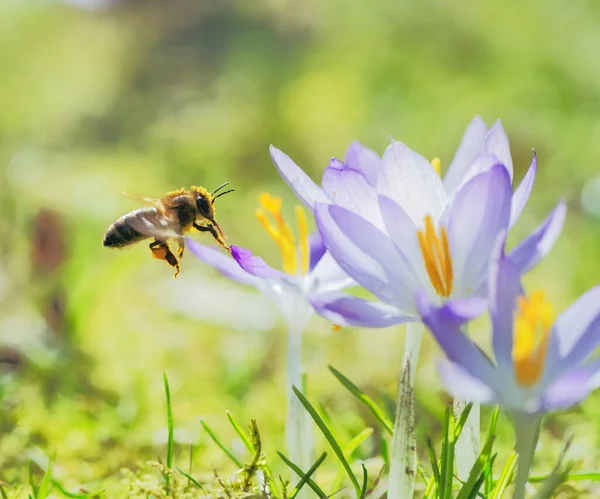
162,251
181,247
217,237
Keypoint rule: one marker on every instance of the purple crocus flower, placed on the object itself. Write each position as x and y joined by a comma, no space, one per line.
396,227
542,363
310,273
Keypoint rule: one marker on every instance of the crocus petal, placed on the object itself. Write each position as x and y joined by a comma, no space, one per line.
471,146
364,160
348,188
460,384
482,164
359,265
496,143
255,265
535,247
504,286
480,211
347,310
329,276
368,252
301,184
317,248
445,325
521,194
566,391
403,233
576,331
410,180
222,262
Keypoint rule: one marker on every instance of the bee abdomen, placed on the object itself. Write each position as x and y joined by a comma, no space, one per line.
121,234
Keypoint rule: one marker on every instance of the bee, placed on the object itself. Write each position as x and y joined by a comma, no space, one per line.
170,216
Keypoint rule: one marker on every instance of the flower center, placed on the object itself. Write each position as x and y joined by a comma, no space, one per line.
436,255
530,337
282,234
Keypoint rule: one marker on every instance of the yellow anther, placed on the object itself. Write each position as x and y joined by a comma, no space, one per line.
335,328
437,165
436,255
530,337
303,239
286,247
271,204
282,234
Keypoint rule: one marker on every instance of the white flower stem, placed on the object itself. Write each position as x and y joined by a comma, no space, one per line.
298,428
403,463
527,434
468,445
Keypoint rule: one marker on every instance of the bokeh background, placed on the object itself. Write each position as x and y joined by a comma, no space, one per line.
99,97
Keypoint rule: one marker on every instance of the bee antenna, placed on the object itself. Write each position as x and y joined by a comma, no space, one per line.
223,193
219,188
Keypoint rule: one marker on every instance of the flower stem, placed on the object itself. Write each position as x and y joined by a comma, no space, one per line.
298,428
527,434
403,463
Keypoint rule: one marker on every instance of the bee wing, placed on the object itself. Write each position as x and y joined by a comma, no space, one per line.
153,223
148,201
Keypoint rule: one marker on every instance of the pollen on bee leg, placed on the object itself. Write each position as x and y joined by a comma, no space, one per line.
162,251
180,247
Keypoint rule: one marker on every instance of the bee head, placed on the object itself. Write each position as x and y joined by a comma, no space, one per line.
204,203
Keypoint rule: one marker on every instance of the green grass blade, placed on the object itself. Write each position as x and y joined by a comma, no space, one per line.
557,477
34,488
170,432
447,458
384,451
431,489
330,438
75,495
356,442
505,477
434,466
476,477
220,444
304,479
365,399
459,425
46,483
363,491
571,477
304,476
245,438
191,479
489,476
169,422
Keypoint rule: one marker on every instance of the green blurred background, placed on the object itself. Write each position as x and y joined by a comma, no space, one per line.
148,96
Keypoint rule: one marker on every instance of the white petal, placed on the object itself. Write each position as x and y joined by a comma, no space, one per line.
410,180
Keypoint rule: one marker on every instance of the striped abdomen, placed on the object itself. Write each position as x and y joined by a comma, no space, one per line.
121,233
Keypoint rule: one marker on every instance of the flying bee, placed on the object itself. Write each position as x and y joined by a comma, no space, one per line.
171,216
